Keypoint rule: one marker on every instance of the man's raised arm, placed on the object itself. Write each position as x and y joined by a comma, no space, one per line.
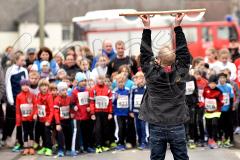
183,56
146,54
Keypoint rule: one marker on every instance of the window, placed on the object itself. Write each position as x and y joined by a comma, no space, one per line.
223,32
206,34
226,32
66,33
190,34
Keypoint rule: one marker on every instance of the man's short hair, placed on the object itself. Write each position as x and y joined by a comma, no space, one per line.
119,43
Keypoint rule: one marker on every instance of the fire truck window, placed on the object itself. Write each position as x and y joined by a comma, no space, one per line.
206,34
190,34
223,32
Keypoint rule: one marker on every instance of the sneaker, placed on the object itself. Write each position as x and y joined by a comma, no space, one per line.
212,144
120,148
90,150
35,146
17,148
99,150
60,153
31,151
227,143
104,149
113,145
73,154
25,152
129,146
237,130
41,151
191,144
48,152
55,148
142,146
220,144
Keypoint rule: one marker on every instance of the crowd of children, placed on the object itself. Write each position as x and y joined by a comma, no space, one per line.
89,111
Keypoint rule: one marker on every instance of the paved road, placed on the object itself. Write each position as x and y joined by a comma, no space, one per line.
197,154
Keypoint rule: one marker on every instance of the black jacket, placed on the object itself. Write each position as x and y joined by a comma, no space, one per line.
164,99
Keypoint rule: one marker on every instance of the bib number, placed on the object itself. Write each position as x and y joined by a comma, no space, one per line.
64,112
210,104
83,98
190,87
138,100
200,95
226,99
101,102
26,109
122,101
41,111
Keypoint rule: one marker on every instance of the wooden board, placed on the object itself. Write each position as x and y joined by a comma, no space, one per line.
172,12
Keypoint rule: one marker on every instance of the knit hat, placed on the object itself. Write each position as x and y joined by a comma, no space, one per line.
62,85
24,82
43,63
80,77
213,78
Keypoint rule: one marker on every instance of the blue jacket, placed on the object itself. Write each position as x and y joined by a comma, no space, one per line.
121,101
53,66
228,96
110,55
136,98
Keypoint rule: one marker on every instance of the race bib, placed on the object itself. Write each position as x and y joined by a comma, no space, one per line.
122,101
200,95
137,100
190,87
101,102
41,111
26,109
226,99
83,98
210,104
65,112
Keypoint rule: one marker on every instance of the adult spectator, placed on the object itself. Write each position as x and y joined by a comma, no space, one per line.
107,50
234,49
120,59
45,54
59,58
31,57
2,93
70,66
7,58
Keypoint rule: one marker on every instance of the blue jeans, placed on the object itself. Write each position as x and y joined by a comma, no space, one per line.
175,135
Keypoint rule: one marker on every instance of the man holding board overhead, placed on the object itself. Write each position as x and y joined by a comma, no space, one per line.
163,104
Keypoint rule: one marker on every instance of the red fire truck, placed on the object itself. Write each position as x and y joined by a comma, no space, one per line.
97,26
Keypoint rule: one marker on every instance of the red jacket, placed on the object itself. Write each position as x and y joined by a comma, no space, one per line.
25,107
201,83
45,107
83,97
62,108
237,63
100,99
212,96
